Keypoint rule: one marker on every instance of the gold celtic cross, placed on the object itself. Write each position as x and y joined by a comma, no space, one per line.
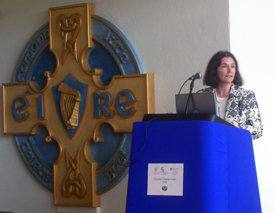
74,87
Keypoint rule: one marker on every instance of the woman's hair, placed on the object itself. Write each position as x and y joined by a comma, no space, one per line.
211,76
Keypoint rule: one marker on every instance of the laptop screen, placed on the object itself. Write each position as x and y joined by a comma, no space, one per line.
199,103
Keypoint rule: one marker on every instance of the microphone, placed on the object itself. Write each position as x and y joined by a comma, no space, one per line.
198,75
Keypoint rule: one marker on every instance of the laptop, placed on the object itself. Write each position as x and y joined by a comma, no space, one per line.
202,106
199,103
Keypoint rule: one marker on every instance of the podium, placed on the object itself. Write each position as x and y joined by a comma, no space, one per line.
219,167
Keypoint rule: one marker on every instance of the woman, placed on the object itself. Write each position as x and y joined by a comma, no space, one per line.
236,105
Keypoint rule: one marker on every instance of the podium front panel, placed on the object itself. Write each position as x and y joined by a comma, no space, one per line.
209,152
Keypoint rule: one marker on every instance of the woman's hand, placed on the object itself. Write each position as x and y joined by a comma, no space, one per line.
229,122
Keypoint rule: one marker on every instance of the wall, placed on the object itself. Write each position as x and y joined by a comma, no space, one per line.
173,38
252,39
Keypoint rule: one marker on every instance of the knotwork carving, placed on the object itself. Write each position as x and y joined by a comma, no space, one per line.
69,28
74,183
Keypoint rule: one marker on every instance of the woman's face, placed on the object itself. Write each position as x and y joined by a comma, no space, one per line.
226,71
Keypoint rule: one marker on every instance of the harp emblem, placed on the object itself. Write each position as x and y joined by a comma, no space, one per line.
69,105
70,98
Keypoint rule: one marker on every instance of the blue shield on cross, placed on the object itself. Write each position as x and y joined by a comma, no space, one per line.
70,99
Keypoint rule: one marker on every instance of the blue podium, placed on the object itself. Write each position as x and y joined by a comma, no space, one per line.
219,167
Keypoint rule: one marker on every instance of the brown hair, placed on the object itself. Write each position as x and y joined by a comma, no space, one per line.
211,76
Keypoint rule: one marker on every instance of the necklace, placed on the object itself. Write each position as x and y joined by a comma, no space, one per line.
220,102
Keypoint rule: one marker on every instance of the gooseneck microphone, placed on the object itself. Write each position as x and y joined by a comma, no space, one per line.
198,75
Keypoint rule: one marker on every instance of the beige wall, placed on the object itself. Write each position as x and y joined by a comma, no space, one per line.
173,38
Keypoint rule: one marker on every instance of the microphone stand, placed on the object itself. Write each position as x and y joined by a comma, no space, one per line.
189,96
